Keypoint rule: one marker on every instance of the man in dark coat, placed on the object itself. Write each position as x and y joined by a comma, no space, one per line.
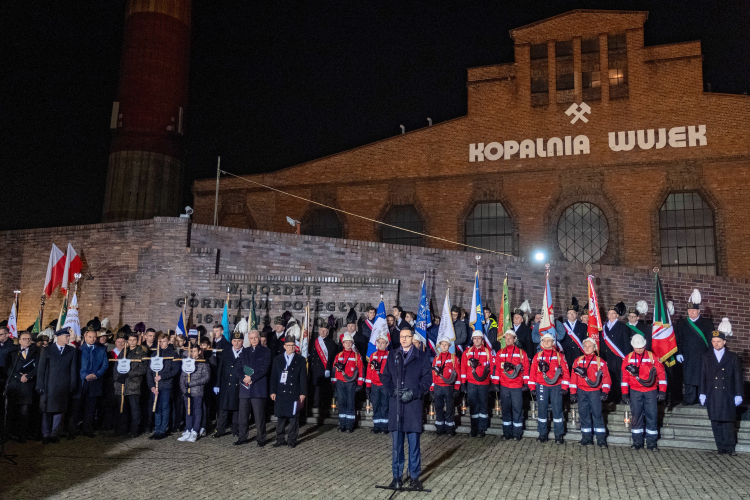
693,335
615,346
57,380
94,364
21,368
639,326
523,334
321,366
6,346
288,391
161,383
459,327
721,388
227,388
253,388
575,332
407,377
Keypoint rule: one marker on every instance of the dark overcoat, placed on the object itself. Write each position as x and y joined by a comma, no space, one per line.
227,380
570,346
692,347
415,374
619,334
57,378
296,385
317,366
21,393
721,382
259,359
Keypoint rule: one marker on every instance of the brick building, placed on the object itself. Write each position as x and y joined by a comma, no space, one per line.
590,146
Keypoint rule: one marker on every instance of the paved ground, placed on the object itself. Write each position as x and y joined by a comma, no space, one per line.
331,465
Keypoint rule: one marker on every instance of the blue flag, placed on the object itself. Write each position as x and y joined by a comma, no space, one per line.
423,316
225,320
476,318
378,327
181,330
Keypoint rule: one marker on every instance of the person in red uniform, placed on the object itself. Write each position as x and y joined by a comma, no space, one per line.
446,382
549,381
376,392
477,365
643,384
348,377
589,386
510,376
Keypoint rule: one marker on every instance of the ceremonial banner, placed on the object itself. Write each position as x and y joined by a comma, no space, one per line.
12,322
594,326
663,342
225,319
73,266
63,311
506,321
548,320
379,326
476,318
304,341
423,316
180,329
71,319
445,330
55,270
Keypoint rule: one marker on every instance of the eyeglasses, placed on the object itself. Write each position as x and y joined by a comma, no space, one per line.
406,336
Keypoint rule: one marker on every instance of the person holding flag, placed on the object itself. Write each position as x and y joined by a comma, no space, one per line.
549,381
616,347
547,323
693,337
424,320
476,317
321,365
638,326
459,329
477,366
590,384
663,340
376,392
573,332
511,375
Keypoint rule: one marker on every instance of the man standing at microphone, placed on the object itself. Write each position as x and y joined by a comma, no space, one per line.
406,377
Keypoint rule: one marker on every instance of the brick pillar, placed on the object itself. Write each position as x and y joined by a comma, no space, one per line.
552,72
604,68
577,82
523,73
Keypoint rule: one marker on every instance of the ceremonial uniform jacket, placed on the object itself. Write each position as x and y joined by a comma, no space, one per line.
288,394
198,379
172,367
93,360
486,365
721,381
554,359
511,354
451,364
373,376
641,328
21,393
259,359
462,337
570,347
619,334
352,362
692,346
592,364
134,378
412,373
395,337
524,340
644,364
361,342
227,380
57,378
321,360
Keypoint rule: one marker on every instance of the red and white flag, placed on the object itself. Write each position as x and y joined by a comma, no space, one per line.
548,312
73,265
595,322
12,322
55,270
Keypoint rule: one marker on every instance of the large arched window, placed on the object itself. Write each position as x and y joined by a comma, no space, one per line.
686,227
583,233
323,222
490,227
407,217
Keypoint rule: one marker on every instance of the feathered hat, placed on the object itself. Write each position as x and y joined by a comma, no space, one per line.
694,301
619,308
574,306
724,330
351,318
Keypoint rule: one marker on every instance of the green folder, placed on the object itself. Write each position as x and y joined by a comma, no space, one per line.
248,371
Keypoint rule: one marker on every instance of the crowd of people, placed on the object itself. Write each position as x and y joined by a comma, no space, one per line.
215,383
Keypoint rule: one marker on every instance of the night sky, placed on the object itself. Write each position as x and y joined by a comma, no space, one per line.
276,83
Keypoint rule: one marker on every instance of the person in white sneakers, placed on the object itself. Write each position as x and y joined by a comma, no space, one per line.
193,379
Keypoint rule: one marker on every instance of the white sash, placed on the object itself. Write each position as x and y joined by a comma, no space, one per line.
573,336
611,344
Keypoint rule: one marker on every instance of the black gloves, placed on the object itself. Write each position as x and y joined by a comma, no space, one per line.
431,396
573,398
533,395
367,391
456,394
604,396
495,388
406,395
564,392
661,396
626,399
463,388
359,388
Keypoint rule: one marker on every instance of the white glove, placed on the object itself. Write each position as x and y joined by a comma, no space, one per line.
702,398
680,358
328,373
737,400
216,390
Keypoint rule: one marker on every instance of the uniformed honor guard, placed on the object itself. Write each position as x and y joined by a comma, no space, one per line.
573,333
321,365
57,380
21,368
376,392
511,375
524,338
590,384
549,380
721,388
348,378
253,370
446,382
276,342
693,335
615,347
227,388
643,384
638,326
288,391
459,327
477,365
129,373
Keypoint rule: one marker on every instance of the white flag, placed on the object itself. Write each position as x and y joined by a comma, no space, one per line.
446,331
71,320
12,323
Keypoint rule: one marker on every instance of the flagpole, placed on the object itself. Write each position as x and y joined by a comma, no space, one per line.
41,313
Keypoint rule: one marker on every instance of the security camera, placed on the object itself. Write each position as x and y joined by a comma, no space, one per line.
292,222
189,210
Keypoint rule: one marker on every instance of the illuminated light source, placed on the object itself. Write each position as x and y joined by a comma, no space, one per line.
539,256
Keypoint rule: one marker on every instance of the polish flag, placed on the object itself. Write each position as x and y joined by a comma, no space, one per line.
73,265
55,270
12,322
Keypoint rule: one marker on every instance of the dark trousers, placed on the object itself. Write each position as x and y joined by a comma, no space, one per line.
345,392
723,435
511,403
109,408
18,420
322,395
615,372
177,415
444,407
398,458
193,413
379,400
51,424
258,406
690,394
210,405
590,411
222,421
281,431
83,408
546,398
161,415
643,408
132,408
478,396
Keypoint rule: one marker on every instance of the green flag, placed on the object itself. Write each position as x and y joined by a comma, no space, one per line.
253,316
37,327
63,313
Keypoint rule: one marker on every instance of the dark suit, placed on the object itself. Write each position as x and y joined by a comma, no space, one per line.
228,399
92,360
570,346
57,380
720,382
692,346
287,406
321,384
619,334
524,340
254,395
20,395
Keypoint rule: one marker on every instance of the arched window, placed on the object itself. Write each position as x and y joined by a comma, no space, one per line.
407,217
686,227
323,222
490,227
583,233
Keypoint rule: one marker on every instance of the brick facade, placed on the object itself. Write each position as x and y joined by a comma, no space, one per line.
137,271
431,168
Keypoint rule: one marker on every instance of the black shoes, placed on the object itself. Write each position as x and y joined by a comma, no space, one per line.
473,433
293,444
279,443
350,430
542,439
240,442
439,431
160,436
517,438
636,446
602,444
559,440
415,484
375,430
586,442
89,434
481,434
452,431
71,436
652,447
260,444
395,484
217,435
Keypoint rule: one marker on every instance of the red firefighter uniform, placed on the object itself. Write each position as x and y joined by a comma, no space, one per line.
512,354
553,359
477,366
485,366
351,361
644,363
377,393
378,359
589,398
549,392
347,364
640,389
592,364
511,384
450,364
